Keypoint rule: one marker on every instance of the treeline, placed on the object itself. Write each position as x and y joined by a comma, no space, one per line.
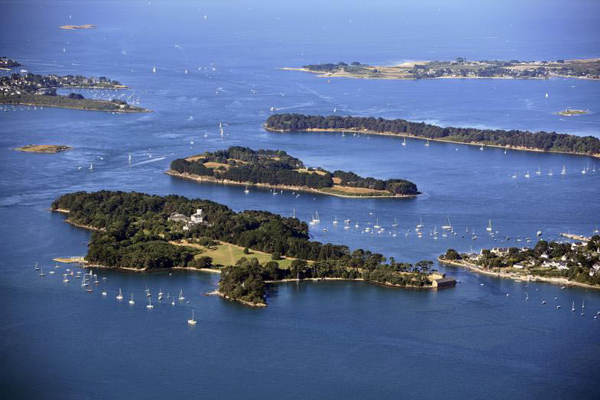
133,231
546,141
276,167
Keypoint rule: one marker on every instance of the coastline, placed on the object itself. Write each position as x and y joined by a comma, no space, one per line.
504,275
209,179
441,140
244,302
118,111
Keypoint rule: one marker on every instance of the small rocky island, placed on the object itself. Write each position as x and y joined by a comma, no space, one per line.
44,148
77,27
278,170
251,249
575,263
569,112
461,68
41,91
551,142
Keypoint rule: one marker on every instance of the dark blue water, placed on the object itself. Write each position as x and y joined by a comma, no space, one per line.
325,340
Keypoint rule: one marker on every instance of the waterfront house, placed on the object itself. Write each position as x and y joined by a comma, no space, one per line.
177,217
197,217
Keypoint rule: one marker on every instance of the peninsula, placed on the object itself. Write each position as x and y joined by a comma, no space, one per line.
569,112
461,68
6,64
40,91
278,170
44,148
560,263
515,140
77,27
142,232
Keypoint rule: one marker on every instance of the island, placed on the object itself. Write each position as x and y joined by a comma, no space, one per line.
575,263
77,27
514,139
44,148
461,68
278,170
41,91
569,112
141,232
6,64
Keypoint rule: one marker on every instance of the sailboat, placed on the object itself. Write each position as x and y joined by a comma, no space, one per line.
573,307
37,267
149,306
129,158
404,142
447,227
420,224
131,301
91,167
154,70
185,72
514,176
481,148
120,295
395,224
42,272
376,226
335,221
527,298
427,144
221,129
550,172
539,171
65,278
316,218
181,298
192,321
583,171
564,170
246,190
489,228
527,174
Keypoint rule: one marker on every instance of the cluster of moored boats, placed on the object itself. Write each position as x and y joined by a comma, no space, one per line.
585,170
89,281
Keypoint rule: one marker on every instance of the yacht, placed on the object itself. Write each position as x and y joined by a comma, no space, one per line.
573,307
131,301
550,172
91,167
420,224
527,175
181,298
489,228
192,321
376,226
395,224
246,190
404,142
539,171
564,170
448,226
335,221
149,306
427,144
120,295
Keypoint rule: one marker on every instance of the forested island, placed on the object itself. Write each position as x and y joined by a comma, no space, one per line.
277,169
7,64
144,232
561,263
40,90
462,68
513,139
43,148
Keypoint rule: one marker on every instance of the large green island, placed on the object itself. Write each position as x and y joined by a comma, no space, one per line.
560,263
461,68
278,170
142,232
514,139
40,91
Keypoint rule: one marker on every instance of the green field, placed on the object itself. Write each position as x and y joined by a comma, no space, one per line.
229,254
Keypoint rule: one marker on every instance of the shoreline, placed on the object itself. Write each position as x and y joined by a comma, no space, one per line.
367,132
116,111
504,275
209,179
244,302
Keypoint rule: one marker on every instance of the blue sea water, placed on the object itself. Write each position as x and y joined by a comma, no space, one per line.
315,340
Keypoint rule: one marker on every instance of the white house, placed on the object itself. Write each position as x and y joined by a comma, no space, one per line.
197,217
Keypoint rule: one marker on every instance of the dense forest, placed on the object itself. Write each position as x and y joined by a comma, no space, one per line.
545,141
276,167
133,230
576,262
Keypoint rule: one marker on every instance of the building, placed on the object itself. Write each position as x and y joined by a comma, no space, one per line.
177,217
197,217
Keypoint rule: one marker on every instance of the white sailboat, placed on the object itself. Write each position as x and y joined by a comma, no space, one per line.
539,171
153,70
192,321
149,306
246,190
550,172
448,226
527,174
564,170
91,167
181,298
131,301
376,226
404,142
420,224
335,221
120,295
37,267
573,307
42,272
489,228
129,158
427,143
395,224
